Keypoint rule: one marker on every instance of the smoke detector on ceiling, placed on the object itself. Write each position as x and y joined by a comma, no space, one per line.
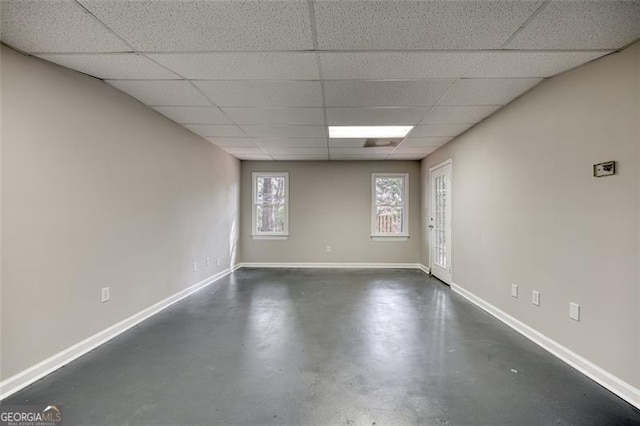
382,142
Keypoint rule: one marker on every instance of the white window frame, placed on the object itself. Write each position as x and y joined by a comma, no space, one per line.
400,236
269,235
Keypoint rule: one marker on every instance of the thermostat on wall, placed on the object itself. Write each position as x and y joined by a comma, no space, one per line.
607,168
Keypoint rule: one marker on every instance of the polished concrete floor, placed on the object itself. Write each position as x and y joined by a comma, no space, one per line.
325,347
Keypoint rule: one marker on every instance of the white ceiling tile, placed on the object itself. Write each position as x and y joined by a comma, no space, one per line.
194,115
414,150
244,150
530,64
438,130
285,131
172,26
299,115
54,26
581,25
417,142
357,157
375,116
296,151
384,93
409,157
253,157
242,65
124,66
210,130
397,65
347,143
459,114
361,151
417,25
263,93
301,157
487,91
232,142
162,92
270,143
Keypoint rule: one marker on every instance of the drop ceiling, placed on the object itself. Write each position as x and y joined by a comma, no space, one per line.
264,79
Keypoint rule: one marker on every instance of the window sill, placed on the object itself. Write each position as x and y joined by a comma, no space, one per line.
389,237
270,237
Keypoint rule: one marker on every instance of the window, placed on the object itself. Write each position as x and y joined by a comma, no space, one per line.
390,203
270,216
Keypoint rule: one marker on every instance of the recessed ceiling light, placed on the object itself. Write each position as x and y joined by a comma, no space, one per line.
369,131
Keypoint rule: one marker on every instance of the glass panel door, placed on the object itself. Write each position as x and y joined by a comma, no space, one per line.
440,234
440,221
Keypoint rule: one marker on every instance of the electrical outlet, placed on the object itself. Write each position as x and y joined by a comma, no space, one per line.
218,261
574,311
207,262
328,249
195,266
535,297
514,291
105,294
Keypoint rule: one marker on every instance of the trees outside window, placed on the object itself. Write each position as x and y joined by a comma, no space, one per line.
389,204
270,204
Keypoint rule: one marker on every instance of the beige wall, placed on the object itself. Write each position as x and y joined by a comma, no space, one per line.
527,210
98,190
330,204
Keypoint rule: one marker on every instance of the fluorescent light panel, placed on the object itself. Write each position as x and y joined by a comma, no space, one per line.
369,131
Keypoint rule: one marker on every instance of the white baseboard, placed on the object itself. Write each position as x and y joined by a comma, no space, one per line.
618,386
26,377
423,268
330,265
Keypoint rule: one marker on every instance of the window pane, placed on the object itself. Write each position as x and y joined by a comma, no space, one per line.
389,190
270,190
389,220
270,218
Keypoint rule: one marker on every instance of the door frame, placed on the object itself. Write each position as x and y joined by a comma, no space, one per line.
448,162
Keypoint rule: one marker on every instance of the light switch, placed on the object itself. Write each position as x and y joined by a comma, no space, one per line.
574,311
535,298
105,294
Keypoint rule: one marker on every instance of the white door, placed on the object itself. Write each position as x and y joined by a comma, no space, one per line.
440,221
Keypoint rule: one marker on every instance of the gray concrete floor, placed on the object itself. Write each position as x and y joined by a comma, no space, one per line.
325,347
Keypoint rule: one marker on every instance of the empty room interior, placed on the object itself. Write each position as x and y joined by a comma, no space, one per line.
320,212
